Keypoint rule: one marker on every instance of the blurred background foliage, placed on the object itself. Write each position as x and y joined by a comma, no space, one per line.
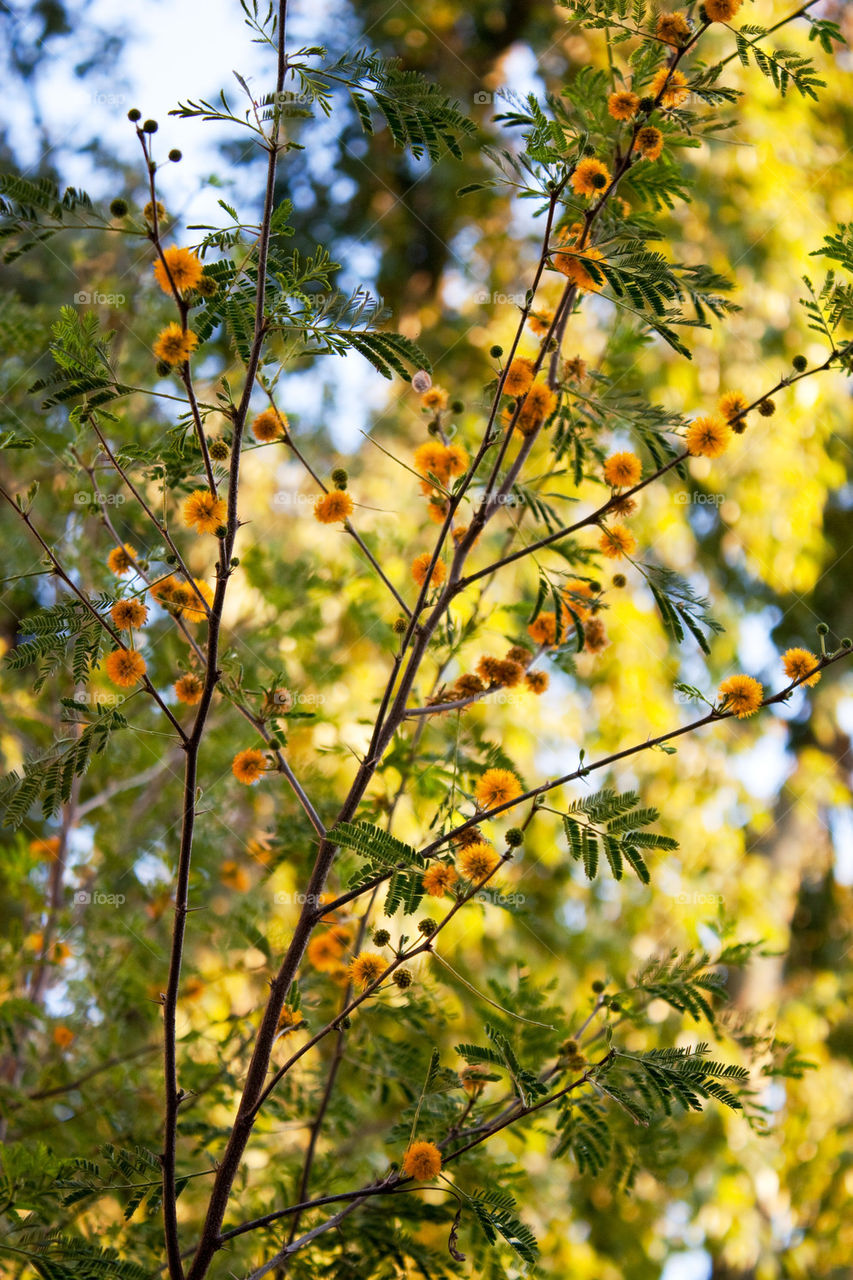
761,809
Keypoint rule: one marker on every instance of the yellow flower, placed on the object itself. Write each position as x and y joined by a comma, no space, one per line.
539,403
649,142
45,847
334,507
577,594
798,663
617,541
733,406
422,1161
121,560
722,10
742,695
590,177
575,368
125,667
708,437
203,511
496,786
519,376
175,345
574,263
457,459
540,321
673,28
543,628
233,876
623,105
183,266
187,599
188,689
420,568
676,90
500,671
247,766
366,968
622,470
435,398
289,1018
325,951
148,212
128,613
594,635
63,1037
269,425
438,878
478,861
537,681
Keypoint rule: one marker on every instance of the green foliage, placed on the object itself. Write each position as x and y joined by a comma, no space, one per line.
612,824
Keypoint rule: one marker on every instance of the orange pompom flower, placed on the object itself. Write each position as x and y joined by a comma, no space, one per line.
496,786
422,1161
125,667
676,90
249,765
708,437
617,541
543,628
519,376
188,689
183,266
590,177
742,695
334,507
121,560
128,613
366,968
649,142
722,10
175,345
203,511
438,878
623,470
673,28
478,861
623,104
269,425
798,663
420,569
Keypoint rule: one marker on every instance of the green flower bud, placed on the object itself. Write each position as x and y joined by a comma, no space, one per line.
800,363
767,408
134,115
496,352
150,126
118,207
402,978
175,155
514,837
381,937
427,926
